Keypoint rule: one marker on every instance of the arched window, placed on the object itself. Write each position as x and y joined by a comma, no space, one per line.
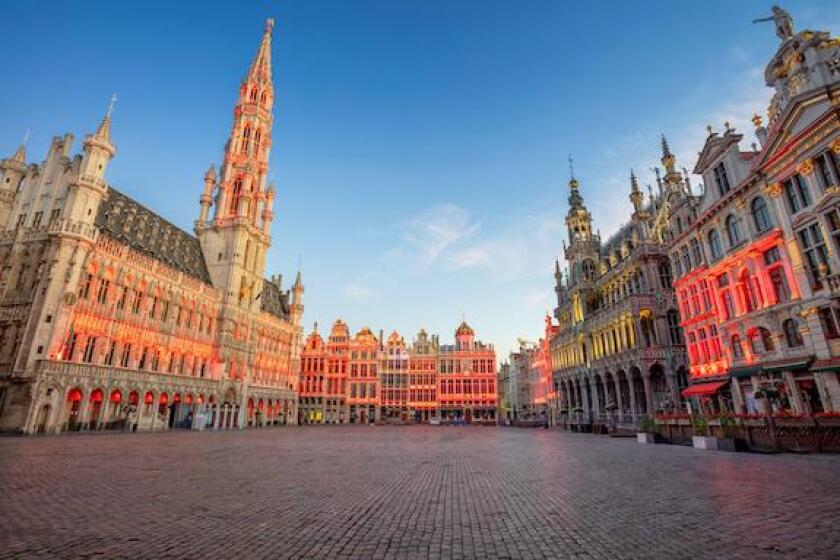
254,94
737,349
686,259
733,232
714,245
792,336
761,215
263,99
696,252
766,339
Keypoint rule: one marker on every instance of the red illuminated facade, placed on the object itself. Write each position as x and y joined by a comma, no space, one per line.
111,317
394,382
755,255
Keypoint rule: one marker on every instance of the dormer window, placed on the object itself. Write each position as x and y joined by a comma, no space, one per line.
721,179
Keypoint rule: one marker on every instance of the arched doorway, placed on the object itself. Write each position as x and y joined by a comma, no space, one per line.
638,391
95,409
659,389
42,419
73,416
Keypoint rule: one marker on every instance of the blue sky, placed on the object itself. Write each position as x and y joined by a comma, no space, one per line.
419,146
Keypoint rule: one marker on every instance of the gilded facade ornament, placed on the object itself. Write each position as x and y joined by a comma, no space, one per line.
835,146
773,190
806,167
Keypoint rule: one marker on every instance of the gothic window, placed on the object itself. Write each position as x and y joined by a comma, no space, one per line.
234,202
102,297
733,231
721,179
761,215
90,346
263,99
126,355
665,275
737,349
686,259
85,291
792,336
109,357
714,245
138,300
674,331
796,192
816,254
254,94
648,331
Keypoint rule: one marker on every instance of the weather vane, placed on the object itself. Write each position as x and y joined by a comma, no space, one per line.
571,167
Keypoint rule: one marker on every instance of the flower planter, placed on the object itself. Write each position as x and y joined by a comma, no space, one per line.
645,437
711,443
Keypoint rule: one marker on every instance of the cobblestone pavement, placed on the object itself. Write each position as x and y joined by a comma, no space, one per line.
415,492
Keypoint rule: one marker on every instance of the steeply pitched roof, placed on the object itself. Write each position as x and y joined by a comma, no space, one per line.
127,221
274,301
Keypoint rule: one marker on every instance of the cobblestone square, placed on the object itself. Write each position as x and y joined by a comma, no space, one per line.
408,492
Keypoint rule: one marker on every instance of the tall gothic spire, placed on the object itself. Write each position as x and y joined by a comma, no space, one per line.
243,196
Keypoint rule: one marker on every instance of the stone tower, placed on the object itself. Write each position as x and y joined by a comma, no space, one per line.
582,253
236,238
12,171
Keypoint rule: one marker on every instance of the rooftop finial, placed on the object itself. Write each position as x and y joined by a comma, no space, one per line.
571,167
269,25
25,138
666,150
111,105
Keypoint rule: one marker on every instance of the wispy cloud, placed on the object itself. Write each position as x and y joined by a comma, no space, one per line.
356,292
438,228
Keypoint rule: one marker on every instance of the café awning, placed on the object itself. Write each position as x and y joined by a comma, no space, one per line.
703,388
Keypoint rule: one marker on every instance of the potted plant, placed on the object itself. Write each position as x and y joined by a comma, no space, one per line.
701,438
646,430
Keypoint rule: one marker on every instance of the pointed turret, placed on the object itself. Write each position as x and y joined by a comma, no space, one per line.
636,196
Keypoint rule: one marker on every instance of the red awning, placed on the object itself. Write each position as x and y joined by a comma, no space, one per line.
703,388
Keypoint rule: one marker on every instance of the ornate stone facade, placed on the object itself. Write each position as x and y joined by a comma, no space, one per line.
112,317
755,254
618,350
363,380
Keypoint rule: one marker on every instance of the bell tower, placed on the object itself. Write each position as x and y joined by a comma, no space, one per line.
582,253
236,237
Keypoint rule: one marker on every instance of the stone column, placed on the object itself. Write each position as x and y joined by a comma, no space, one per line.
618,399
648,392
631,385
596,399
